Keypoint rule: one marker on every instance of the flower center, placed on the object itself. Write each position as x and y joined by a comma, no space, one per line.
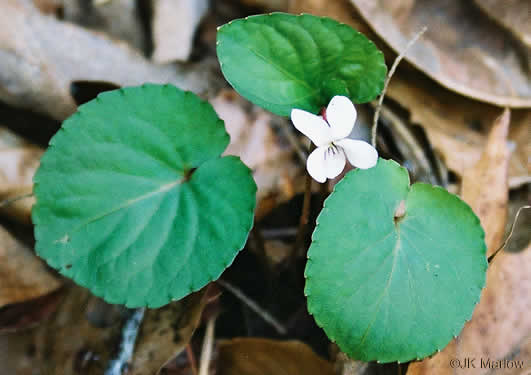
331,150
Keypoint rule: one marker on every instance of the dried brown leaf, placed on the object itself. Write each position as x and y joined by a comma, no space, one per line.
165,332
456,126
252,356
484,186
23,276
18,163
27,314
69,343
40,57
523,355
520,135
120,19
84,334
514,15
519,226
174,26
462,49
253,140
340,10
17,354
500,323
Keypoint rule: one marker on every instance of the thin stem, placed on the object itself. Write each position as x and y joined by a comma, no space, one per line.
274,233
386,84
293,141
208,343
191,358
323,192
305,216
510,233
306,208
127,343
254,306
10,201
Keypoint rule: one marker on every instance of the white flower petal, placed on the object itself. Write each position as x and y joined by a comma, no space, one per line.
316,164
334,162
341,115
312,126
359,153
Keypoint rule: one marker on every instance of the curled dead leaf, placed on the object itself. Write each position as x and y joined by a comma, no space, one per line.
253,140
119,19
69,343
84,334
340,10
520,136
462,49
520,355
456,126
484,186
18,163
23,276
165,332
252,356
17,353
514,15
30,313
40,57
174,26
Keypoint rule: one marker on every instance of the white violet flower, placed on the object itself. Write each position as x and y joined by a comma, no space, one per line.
329,133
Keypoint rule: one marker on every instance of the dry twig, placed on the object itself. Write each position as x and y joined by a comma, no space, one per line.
254,306
208,343
386,84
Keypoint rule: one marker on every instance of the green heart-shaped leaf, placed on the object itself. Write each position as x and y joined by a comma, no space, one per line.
281,61
134,201
394,271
